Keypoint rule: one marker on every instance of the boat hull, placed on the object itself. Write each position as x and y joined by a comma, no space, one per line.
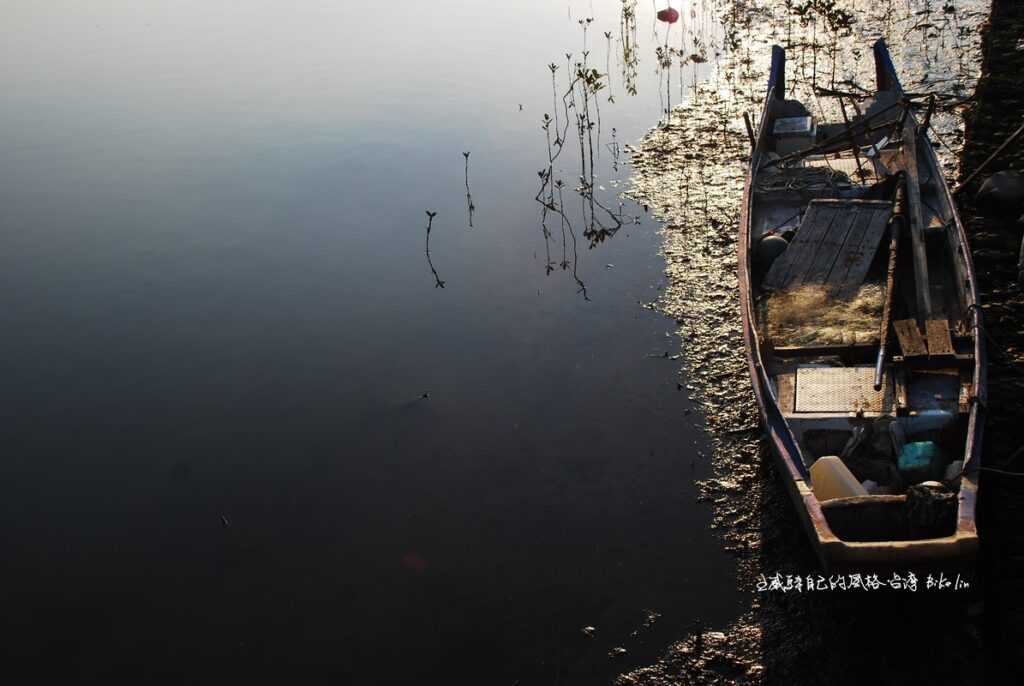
949,553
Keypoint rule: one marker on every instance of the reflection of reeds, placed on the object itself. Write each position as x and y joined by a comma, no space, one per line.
615,150
585,86
585,23
608,63
575,255
554,93
548,204
628,40
470,207
565,263
663,55
580,106
430,224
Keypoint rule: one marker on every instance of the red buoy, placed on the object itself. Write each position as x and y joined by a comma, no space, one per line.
668,15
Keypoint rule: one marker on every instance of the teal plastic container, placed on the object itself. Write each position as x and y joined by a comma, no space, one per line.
920,461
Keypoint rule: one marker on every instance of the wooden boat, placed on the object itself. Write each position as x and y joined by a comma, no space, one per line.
862,327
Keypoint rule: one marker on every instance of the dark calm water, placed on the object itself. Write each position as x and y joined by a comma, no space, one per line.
219,322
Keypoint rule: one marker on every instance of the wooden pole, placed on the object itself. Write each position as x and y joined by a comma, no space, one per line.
928,114
750,131
853,142
890,285
922,285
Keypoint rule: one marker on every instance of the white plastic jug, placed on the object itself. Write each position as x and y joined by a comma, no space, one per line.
830,478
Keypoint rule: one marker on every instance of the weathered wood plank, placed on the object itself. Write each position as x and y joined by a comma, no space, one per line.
966,389
900,389
835,245
816,219
786,384
939,340
793,262
853,264
830,247
850,253
911,342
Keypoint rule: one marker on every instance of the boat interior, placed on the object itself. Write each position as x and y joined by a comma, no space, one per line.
861,294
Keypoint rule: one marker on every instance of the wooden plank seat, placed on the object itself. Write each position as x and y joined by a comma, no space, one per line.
937,341
940,343
911,342
834,246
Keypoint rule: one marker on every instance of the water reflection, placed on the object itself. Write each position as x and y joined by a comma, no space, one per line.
579,105
628,46
470,207
438,283
576,105
608,63
615,150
